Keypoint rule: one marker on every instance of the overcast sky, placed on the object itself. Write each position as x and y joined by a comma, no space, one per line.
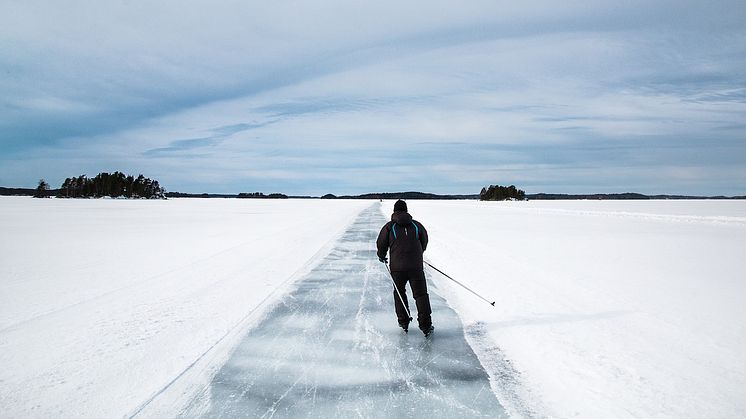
341,97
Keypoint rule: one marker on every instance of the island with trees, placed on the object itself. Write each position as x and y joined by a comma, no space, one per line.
114,185
502,193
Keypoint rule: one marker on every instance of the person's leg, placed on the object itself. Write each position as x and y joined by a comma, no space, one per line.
421,298
400,279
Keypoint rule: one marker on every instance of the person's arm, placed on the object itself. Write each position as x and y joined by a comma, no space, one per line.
423,237
383,242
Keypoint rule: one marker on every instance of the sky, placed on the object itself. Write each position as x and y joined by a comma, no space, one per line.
346,97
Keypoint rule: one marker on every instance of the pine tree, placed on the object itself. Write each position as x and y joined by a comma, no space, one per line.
501,193
42,191
112,184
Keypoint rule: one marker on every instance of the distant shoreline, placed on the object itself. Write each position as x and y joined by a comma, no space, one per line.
4,191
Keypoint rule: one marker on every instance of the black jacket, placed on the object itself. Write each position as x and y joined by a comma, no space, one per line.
406,239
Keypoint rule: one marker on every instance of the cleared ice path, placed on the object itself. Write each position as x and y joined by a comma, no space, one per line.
333,349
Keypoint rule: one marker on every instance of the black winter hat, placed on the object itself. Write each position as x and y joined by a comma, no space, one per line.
400,206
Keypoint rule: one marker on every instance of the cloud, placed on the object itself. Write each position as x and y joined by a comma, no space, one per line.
219,134
348,97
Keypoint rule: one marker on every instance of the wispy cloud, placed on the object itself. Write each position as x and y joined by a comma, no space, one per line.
220,134
344,97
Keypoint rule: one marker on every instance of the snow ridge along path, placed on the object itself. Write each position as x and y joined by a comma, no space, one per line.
332,348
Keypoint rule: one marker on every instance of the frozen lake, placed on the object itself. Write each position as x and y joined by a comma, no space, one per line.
333,348
625,309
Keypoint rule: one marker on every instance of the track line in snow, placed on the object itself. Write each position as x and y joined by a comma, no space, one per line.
134,284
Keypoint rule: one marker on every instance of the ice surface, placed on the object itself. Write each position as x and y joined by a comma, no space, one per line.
333,348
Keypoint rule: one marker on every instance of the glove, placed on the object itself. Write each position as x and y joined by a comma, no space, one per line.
383,259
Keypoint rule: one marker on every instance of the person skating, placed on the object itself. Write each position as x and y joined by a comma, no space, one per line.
405,240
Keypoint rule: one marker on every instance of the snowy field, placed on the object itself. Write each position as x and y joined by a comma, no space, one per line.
604,309
104,302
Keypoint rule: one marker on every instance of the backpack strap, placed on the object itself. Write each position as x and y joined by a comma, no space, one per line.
416,230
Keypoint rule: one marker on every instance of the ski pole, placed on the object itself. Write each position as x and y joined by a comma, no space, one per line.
398,293
469,289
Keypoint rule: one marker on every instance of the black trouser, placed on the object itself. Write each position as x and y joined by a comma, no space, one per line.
419,292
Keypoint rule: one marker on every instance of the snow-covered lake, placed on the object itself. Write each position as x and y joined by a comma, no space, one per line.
604,309
104,302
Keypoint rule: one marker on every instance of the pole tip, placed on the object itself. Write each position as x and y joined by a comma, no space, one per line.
493,304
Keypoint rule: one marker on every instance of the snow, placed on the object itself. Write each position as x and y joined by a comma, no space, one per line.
104,302
604,308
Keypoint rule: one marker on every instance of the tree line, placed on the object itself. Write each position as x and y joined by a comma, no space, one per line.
114,185
261,195
501,193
